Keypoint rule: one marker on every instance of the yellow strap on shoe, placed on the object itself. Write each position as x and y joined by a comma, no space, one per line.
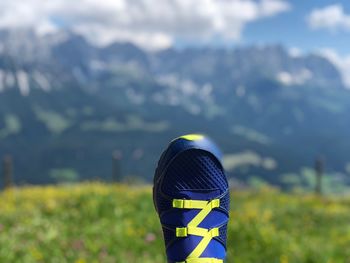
193,229
189,204
202,260
196,231
204,212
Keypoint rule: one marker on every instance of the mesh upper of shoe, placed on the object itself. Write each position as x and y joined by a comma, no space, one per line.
193,170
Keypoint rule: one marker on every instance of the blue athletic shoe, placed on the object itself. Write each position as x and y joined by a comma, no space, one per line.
191,196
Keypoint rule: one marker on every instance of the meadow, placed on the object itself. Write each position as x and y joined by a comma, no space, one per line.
95,222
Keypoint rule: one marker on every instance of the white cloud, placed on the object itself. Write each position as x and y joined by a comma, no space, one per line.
298,78
150,23
295,52
273,7
331,17
341,62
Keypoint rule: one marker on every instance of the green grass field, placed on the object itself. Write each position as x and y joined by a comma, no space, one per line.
114,223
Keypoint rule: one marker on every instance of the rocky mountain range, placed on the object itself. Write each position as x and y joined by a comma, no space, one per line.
67,105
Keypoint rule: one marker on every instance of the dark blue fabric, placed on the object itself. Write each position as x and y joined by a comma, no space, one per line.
191,170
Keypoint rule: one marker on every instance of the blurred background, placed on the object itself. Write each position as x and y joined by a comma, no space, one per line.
92,91
96,89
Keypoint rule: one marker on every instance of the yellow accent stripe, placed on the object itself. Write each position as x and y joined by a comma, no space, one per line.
189,204
197,252
196,231
202,260
204,212
192,137
193,229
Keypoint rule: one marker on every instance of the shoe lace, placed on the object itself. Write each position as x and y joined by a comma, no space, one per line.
193,228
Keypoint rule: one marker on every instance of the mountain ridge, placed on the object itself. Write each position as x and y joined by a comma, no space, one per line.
73,105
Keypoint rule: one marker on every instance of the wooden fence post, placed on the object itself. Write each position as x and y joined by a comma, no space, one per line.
319,169
8,171
116,166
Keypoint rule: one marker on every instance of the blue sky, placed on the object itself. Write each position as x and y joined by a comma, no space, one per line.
303,27
306,26
158,24
291,29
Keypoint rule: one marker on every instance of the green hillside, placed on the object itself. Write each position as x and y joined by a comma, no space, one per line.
117,223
